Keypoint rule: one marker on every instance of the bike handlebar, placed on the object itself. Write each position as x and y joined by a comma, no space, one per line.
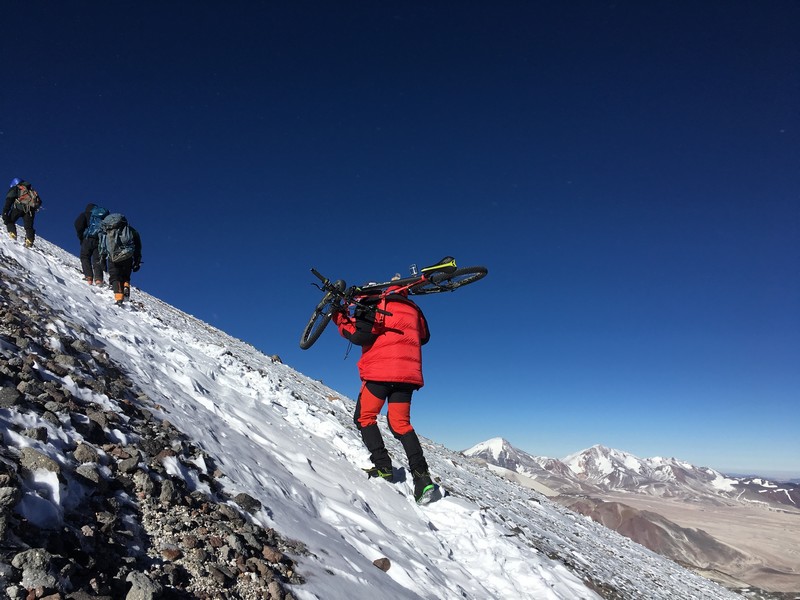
319,275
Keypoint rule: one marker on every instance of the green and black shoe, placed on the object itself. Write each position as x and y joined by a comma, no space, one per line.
385,473
423,488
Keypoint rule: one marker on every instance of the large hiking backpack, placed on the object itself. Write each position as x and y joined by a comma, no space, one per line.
118,237
27,198
96,216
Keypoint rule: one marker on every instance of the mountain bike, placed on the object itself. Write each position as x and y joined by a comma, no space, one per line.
443,276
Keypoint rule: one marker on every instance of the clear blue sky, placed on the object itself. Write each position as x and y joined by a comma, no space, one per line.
629,172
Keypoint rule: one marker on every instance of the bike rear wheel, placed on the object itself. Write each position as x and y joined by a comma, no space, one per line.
321,316
449,282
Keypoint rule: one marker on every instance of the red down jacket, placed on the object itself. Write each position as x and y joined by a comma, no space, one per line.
391,345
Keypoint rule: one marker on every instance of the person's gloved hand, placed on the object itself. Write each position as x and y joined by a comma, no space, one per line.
339,314
136,266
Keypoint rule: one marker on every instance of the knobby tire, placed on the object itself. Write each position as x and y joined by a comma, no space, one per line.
448,282
318,322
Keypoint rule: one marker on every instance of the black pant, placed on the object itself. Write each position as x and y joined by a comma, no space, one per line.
90,259
27,220
119,273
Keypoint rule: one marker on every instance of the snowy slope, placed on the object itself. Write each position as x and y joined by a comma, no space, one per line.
288,441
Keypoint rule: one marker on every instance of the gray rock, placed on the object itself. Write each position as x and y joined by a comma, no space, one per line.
33,459
275,590
143,588
236,544
9,397
128,465
98,417
80,346
85,453
66,360
6,571
227,512
247,502
36,433
35,565
53,406
89,472
9,496
168,493
144,482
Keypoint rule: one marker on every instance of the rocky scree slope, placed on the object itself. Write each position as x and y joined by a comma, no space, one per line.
128,528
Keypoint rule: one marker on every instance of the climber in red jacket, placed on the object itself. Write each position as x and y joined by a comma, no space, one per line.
391,340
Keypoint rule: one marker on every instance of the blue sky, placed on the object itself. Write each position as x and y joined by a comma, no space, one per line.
628,172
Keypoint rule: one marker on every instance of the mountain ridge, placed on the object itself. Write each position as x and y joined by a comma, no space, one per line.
611,469
629,494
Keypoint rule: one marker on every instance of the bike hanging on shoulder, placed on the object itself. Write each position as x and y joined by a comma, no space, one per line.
443,276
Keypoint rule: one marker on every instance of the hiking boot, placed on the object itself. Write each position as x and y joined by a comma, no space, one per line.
12,235
382,472
423,486
90,281
28,243
118,302
98,282
126,290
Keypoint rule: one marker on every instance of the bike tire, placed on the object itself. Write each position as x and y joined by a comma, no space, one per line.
320,318
449,282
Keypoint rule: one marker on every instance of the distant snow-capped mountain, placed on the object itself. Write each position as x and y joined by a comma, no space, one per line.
615,470
625,493
605,469
612,469
551,472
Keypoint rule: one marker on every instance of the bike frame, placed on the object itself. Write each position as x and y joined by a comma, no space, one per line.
351,294
444,276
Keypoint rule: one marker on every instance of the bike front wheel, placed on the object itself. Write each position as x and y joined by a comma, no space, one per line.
449,282
321,316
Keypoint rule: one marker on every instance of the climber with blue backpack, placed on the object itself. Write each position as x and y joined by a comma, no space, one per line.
121,245
88,226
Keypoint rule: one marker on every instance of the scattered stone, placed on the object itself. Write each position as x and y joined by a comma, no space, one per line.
247,502
33,459
85,453
9,397
128,465
9,496
35,565
271,554
142,588
382,563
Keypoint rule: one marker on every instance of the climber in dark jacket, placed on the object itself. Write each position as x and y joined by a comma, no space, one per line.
21,201
91,263
114,227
